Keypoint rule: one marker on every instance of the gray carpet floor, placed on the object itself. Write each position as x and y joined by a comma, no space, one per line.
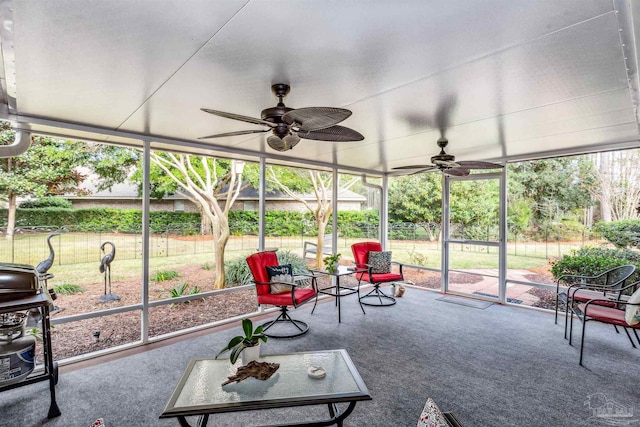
497,366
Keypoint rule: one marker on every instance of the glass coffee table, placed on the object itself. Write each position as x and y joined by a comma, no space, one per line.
200,391
335,290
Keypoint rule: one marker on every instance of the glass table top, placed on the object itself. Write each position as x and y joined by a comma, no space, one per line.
200,389
342,270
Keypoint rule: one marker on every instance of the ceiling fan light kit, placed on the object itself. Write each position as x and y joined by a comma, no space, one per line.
289,125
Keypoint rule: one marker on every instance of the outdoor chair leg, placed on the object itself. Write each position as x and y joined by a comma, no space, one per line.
315,303
616,328
556,321
571,330
584,326
566,316
636,334
630,339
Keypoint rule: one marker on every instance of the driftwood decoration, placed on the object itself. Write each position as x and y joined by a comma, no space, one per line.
259,370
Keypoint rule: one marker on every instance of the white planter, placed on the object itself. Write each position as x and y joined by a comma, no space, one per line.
249,354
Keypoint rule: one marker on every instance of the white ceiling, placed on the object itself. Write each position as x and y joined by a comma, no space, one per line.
530,78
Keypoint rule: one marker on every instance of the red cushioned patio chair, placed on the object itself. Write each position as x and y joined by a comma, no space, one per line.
606,287
258,264
595,310
361,257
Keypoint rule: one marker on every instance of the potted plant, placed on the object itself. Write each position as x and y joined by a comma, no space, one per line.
247,345
331,262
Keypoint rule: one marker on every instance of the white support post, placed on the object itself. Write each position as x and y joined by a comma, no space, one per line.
444,285
502,223
334,208
262,208
146,167
384,213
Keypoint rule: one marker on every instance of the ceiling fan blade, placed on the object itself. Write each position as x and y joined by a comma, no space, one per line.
242,118
423,167
457,171
240,132
472,164
315,118
283,144
333,133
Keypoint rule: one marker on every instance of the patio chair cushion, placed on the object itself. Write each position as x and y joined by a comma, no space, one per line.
632,312
432,416
585,295
280,273
605,314
380,262
284,298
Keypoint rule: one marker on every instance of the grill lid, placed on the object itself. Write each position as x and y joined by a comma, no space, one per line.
17,281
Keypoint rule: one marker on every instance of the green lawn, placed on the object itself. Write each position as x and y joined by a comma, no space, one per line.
78,254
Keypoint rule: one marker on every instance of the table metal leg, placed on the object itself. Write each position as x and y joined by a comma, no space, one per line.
183,421
54,411
338,295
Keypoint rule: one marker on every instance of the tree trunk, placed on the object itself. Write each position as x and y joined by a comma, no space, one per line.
319,255
221,237
11,215
205,225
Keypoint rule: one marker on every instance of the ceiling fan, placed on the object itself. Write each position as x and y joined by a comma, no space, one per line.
443,162
447,164
289,125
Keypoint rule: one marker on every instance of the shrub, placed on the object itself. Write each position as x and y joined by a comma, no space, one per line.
181,290
591,261
162,276
46,202
237,271
622,234
67,289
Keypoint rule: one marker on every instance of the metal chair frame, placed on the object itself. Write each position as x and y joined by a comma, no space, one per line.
614,280
583,316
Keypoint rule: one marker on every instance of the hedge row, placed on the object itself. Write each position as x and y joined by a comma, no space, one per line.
591,261
279,223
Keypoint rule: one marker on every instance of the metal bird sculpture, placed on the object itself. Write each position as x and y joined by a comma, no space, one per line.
105,268
44,266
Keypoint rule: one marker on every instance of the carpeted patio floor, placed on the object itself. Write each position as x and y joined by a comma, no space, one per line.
496,366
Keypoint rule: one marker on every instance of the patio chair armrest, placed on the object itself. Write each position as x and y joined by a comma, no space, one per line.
567,277
590,286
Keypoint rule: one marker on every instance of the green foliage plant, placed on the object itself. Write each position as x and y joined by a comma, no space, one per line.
623,234
179,290
237,272
331,262
68,289
251,338
46,202
417,258
164,275
591,261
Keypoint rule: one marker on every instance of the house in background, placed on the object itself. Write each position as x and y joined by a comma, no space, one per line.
125,196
